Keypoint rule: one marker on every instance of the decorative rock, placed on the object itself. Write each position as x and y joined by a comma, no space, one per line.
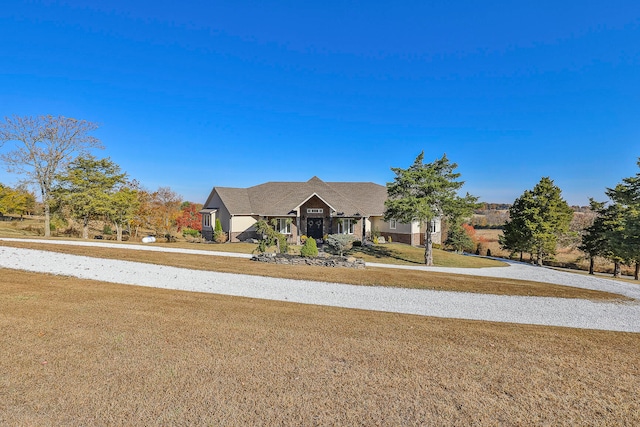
381,240
324,261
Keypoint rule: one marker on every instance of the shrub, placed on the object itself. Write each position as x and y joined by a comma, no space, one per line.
309,249
375,233
107,230
340,242
219,236
389,239
190,232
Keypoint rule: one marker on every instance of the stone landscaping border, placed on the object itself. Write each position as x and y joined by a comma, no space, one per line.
320,261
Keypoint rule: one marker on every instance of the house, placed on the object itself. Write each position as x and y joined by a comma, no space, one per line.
313,208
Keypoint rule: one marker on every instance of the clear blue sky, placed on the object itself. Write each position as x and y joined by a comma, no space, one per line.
193,94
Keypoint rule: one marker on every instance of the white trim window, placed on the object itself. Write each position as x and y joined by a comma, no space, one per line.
434,227
393,224
315,210
206,220
283,225
346,226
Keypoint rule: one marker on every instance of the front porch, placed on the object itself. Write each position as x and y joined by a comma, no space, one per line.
315,218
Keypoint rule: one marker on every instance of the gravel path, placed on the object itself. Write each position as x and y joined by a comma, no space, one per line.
614,316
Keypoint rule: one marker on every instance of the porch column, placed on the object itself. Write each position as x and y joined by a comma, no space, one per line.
298,228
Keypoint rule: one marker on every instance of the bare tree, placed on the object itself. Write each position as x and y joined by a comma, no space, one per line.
45,146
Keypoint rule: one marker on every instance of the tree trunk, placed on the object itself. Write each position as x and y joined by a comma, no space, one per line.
637,271
591,265
428,246
521,256
85,228
118,232
47,216
616,269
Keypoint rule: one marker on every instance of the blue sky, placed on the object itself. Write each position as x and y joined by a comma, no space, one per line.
195,94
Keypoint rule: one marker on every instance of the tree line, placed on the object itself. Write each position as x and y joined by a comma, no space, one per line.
53,154
540,218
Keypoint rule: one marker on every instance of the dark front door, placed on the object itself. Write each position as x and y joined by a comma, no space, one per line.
314,228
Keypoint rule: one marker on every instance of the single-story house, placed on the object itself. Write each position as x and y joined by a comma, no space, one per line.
313,208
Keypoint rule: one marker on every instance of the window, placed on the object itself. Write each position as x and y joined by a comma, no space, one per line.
206,220
393,224
433,226
283,225
345,226
315,210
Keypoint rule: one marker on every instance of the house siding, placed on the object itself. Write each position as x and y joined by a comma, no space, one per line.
243,228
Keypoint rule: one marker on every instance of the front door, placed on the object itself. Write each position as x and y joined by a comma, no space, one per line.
314,228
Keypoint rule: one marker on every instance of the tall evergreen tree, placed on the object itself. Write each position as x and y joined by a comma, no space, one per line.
541,217
424,192
516,232
627,240
599,238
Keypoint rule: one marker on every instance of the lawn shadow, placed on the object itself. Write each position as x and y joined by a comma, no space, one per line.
383,252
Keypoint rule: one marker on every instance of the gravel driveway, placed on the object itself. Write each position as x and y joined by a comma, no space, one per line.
614,316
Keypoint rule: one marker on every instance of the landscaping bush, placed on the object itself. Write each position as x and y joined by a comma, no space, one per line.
190,232
309,249
340,242
219,236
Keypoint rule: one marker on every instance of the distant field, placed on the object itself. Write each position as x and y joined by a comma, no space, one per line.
568,256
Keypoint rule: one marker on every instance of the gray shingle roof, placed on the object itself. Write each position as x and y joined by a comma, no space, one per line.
280,198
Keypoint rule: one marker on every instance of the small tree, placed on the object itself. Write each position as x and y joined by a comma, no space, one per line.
340,242
310,248
123,207
16,200
459,239
87,188
190,217
164,210
270,237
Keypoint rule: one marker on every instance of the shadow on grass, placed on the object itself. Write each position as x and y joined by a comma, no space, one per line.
383,252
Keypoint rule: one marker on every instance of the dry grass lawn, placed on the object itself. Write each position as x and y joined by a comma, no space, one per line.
367,277
78,352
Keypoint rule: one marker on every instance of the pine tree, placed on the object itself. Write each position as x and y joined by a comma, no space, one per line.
537,219
516,233
424,192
